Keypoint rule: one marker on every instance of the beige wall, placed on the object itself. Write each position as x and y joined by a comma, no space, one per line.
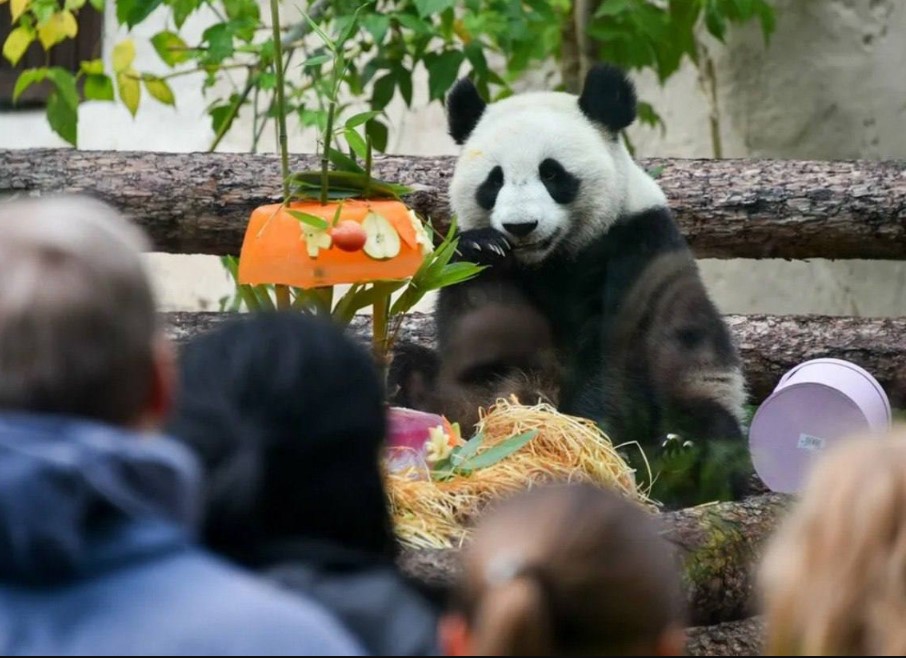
830,85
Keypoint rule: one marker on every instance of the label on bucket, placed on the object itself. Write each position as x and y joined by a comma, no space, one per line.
811,443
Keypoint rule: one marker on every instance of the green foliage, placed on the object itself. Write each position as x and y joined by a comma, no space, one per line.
381,44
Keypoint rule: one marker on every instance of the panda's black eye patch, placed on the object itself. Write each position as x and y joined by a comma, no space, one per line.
487,192
561,185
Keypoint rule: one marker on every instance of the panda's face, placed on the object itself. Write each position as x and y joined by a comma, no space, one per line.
547,169
538,171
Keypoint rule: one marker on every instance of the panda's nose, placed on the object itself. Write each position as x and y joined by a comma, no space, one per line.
520,230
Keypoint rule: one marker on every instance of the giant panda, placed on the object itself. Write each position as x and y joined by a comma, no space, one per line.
570,227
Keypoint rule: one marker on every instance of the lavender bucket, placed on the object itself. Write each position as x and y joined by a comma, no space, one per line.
816,405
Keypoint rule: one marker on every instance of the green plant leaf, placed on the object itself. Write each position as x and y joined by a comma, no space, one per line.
60,26
17,8
238,10
99,88
467,451
133,12
356,142
382,93
311,220
63,117
170,48
98,4
123,55
317,60
220,43
65,83
358,119
74,4
130,90
92,67
379,134
182,9
343,162
443,69
498,452
428,8
377,26
26,79
159,89
17,43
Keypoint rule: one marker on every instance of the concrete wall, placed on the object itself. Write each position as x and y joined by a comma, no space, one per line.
830,85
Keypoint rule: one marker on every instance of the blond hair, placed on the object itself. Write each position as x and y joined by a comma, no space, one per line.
77,314
833,579
569,570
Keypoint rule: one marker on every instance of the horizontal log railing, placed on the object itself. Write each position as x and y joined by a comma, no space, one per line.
770,344
200,203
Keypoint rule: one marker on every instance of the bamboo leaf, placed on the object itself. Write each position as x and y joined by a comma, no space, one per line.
311,220
498,452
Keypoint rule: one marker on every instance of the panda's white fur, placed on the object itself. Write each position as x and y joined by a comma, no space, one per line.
519,132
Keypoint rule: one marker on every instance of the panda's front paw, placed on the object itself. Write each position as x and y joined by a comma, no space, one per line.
483,246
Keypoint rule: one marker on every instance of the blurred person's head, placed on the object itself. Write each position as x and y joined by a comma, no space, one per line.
288,417
833,579
78,332
567,570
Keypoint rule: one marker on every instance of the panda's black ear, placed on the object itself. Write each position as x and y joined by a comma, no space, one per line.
464,108
608,97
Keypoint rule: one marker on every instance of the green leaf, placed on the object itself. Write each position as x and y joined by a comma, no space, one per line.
219,115
62,117
311,220
60,26
468,450
133,12
358,119
98,4
26,79
74,4
182,9
383,91
615,7
18,7
242,10
404,82
170,48
376,25
130,90
17,43
315,61
123,55
443,69
428,8
379,134
343,162
66,85
92,67
498,452
220,43
356,142
714,20
159,89
98,88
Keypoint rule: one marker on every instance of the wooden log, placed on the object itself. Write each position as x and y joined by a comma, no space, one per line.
200,203
735,638
770,344
718,544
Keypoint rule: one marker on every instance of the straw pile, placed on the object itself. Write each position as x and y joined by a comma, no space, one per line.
436,514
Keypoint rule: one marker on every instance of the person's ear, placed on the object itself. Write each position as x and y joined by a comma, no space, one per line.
453,634
162,391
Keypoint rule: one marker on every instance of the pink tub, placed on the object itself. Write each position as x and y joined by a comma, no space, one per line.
816,405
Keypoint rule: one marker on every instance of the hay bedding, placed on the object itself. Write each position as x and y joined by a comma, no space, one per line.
431,513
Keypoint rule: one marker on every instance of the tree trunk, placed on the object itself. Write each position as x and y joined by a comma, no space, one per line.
718,544
200,203
735,638
770,344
